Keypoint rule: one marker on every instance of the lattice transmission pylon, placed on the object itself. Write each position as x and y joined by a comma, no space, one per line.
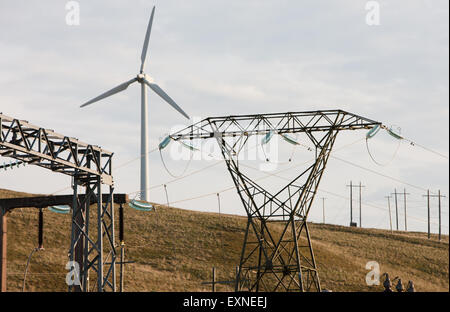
277,253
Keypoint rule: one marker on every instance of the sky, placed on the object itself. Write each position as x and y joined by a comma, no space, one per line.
219,58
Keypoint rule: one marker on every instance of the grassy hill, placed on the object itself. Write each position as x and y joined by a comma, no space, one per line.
175,250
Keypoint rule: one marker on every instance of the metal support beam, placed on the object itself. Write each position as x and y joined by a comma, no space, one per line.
53,200
44,148
3,248
122,246
41,229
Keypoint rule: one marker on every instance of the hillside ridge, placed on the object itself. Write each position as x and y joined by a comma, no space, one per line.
175,249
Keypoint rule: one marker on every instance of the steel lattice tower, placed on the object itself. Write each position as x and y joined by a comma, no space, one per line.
277,253
92,245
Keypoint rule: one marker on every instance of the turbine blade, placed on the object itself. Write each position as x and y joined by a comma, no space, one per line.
147,38
115,90
165,97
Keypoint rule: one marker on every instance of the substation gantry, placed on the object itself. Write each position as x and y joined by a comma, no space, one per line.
277,254
92,244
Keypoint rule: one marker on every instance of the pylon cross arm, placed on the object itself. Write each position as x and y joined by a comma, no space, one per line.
309,122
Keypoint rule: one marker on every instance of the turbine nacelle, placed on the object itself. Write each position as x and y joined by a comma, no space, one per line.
142,77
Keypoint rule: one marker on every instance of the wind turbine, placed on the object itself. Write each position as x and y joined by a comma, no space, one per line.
144,80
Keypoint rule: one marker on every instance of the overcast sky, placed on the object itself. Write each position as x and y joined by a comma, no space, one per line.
234,57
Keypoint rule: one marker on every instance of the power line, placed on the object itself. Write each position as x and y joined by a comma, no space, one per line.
118,167
371,205
380,174
335,157
426,148
332,193
219,161
322,190
134,159
280,171
182,177
267,175
271,174
390,160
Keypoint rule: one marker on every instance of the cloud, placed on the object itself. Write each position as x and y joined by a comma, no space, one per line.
231,57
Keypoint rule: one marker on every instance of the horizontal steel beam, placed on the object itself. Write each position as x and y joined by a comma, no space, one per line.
46,201
43,147
26,126
260,124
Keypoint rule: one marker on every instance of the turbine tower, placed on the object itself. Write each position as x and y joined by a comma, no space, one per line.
144,80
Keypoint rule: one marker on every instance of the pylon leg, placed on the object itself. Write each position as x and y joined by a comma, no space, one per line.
277,253
98,255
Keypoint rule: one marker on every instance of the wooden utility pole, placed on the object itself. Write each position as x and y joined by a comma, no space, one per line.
351,186
396,208
218,200
404,200
167,195
351,202
360,203
439,196
323,210
213,279
428,206
389,207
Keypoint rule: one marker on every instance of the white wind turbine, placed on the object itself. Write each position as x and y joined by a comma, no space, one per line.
144,80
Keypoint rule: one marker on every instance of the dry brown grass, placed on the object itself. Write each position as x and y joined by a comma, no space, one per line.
175,249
